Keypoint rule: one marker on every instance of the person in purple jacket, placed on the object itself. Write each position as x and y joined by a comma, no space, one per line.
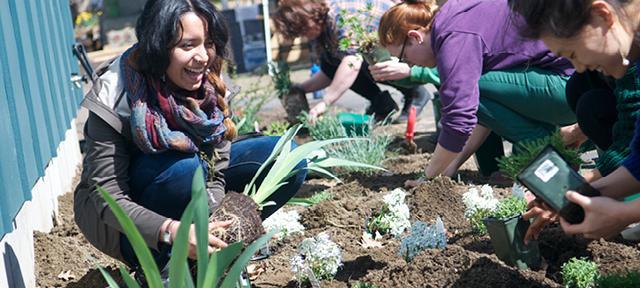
523,95
596,35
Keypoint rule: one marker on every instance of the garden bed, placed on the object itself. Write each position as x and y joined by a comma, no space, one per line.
467,261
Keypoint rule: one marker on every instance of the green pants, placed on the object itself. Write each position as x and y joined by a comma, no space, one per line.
520,104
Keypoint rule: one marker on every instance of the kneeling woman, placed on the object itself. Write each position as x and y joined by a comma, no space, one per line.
523,94
167,89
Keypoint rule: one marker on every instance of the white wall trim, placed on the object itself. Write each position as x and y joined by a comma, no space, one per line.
17,264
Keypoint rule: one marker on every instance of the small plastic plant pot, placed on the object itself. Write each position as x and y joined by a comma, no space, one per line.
549,177
507,239
377,55
355,124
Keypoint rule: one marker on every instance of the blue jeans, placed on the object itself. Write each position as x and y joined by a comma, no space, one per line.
162,182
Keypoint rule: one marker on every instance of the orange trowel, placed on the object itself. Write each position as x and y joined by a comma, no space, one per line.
408,135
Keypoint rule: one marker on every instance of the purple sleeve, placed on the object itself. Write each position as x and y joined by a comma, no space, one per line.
632,162
459,60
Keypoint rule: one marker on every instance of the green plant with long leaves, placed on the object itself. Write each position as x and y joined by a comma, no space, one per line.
220,269
284,159
323,128
579,273
512,165
280,77
369,148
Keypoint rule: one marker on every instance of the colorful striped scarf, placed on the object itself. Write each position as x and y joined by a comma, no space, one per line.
162,119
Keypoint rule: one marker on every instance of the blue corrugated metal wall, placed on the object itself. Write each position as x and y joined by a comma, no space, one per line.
37,98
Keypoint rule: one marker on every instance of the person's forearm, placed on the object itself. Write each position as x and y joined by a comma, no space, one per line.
619,184
316,82
440,160
346,74
478,136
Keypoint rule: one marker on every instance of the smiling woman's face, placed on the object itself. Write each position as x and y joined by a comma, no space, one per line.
591,49
601,45
190,58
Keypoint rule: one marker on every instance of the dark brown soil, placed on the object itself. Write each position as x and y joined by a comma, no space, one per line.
246,225
65,249
468,260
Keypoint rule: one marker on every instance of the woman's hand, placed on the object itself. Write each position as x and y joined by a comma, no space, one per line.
317,110
591,175
542,215
603,216
572,136
214,242
390,70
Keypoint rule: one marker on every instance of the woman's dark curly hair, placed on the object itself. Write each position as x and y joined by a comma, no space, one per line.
560,18
292,15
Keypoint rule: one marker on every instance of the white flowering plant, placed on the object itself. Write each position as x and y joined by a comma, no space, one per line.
393,217
423,236
286,223
317,258
479,204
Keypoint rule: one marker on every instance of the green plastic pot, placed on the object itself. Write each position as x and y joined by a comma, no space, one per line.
355,124
377,55
507,239
549,176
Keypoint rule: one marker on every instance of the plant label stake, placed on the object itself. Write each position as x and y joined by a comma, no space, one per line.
549,177
408,136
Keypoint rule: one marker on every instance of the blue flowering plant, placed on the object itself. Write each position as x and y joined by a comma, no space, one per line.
423,236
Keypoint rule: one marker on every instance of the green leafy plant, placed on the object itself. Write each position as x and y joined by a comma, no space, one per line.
477,225
526,151
369,148
276,128
219,269
284,160
323,128
616,280
579,273
370,151
358,33
280,77
509,207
